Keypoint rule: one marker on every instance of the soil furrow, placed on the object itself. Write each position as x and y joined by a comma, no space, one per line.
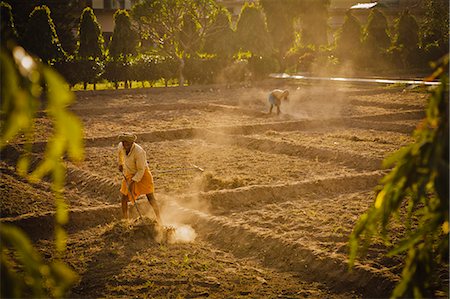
351,160
217,202
275,251
375,122
41,226
252,197
393,106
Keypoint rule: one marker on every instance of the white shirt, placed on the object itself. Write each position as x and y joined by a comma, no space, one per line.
134,163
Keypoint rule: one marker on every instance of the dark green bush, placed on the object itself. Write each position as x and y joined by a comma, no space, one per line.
261,67
145,68
117,71
202,70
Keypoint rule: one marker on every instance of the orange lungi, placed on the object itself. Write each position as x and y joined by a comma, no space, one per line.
144,186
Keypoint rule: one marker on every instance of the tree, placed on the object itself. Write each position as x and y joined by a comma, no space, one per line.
65,15
435,28
90,44
124,39
167,23
23,271
251,31
280,16
188,34
407,31
8,30
313,20
376,40
407,39
221,41
90,51
40,37
349,38
419,181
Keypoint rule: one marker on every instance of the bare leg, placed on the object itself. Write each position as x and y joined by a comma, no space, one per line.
124,207
152,201
270,110
278,110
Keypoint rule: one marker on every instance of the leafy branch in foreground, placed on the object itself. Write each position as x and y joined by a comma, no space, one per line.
24,84
420,181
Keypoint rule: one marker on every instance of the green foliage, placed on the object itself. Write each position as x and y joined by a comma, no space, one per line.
167,67
169,24
124,39
8,30
90,44
80,70
220,40
40,37
435,28
189,36
349,39
314,23
407,31
35,277
23,82
118,70
145,68
375,43
160,21
65,15
90,52
376,33
202,70
261,67
251,31
419,180
280,24
406,42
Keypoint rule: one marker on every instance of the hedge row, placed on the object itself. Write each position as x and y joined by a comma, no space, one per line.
153,69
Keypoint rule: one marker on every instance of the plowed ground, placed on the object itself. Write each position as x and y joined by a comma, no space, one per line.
270,215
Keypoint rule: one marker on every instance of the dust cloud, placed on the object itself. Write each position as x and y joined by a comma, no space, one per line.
184,234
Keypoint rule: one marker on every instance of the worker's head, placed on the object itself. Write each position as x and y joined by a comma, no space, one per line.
285,94
127,140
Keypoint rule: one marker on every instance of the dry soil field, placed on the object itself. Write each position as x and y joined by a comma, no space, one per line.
268,218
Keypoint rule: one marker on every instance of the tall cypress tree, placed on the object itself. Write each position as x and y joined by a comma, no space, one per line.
8,30
349,38
90,44
124,39
313,20
407,31
220,40
377,37
280,16
40,36
376,41
407,39
251,30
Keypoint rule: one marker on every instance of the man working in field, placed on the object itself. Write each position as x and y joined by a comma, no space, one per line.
133,163
275,97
